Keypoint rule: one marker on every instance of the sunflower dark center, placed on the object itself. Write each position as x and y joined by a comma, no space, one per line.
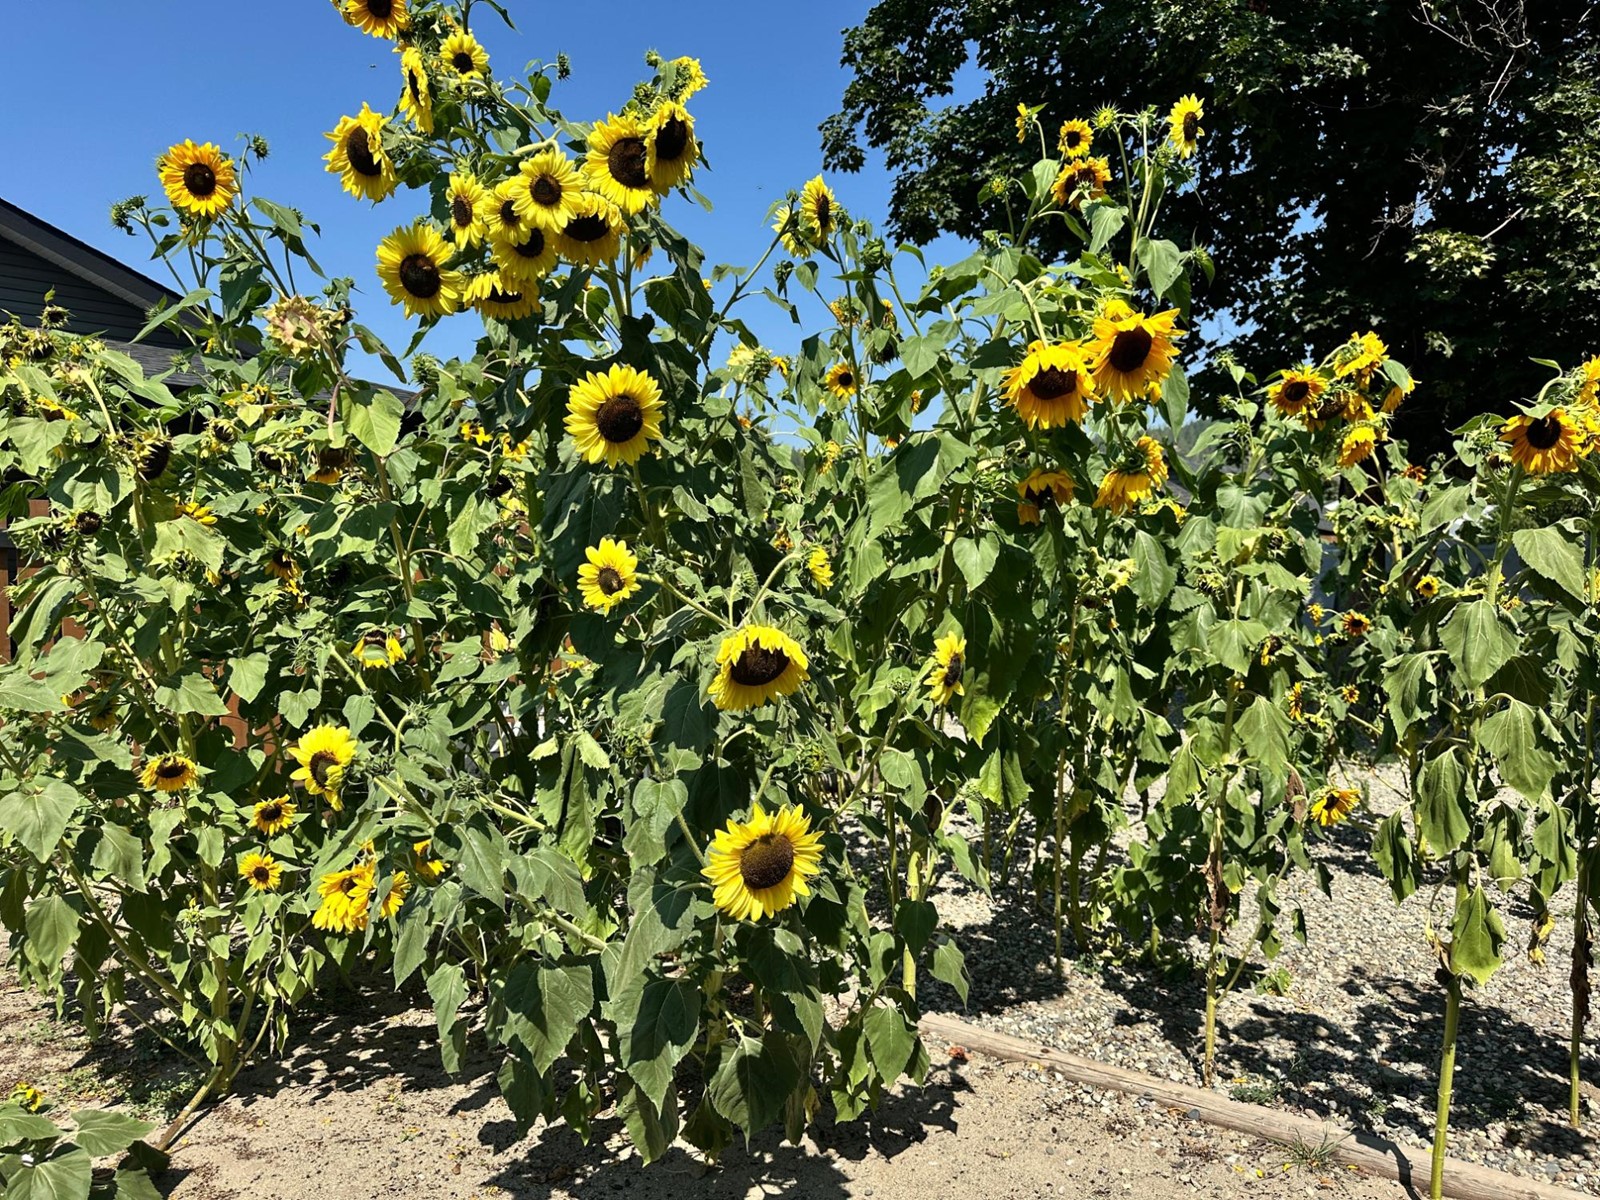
1544,433
824,211
272,814
625,160
1295,391
462,62
545,191
419,275
508,215
1052,383
1130,349
766,862
952,670
587,228
199,180
358,149
262,873
758,666
620,419
1191,126
845,379
415,87
321,767
349,884
460,212
610,580
496,296
533,247
1074,137
171,768
672,139
382,9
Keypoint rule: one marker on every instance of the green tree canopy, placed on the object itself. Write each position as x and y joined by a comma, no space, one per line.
1430,168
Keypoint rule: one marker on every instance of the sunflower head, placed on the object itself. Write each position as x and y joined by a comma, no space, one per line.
379,18
261,872
1355,624
1075,137
614,415
1332,805
272,817
1051,387
1183,125
1546,444
1297,390
756,665
820,567
358,156
495,295
841,380
525,257
671,146
1079,180
426,867
610,575
1357,445
820,213
416,97
377,649
1428,587
198,180
1042,490
169,773
463,56
1134,479
592,233
413,263
324,754
758,868
685,77
1359,357
946,668
1132,354
617,165
346,900
464,198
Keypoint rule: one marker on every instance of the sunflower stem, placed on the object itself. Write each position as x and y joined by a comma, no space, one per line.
1447,1070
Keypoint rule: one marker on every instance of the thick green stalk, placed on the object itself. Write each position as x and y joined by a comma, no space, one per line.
1447,1070
1580,993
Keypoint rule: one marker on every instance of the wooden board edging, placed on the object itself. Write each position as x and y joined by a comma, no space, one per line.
1379,1156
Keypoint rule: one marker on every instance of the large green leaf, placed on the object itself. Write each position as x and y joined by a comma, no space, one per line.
1512,736
657,1020
754,1079
546,1005
1553,553
102,1132
1477,934
1478,641
38,816
1443,807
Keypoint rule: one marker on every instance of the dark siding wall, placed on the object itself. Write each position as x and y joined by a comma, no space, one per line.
25,278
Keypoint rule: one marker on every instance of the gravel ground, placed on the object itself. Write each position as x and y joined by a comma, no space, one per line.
1356,1036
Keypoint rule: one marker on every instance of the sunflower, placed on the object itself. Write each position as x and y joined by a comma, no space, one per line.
525,259
819,210
1333,805
1350,694
617,165
416,98
396,895
609,577
1040,490
1051,387
688,77
427,868
358,156
548,185
1074,138
464,196
946,667
198,179
1544,445
377,649
464,56
820,567
614,415
1357,445
169,773
198,513
1295,390
1354,624
672,149
1360,356
755,666
493,295
346,900
1083,179
1294,702
1131,353
281,564
261,871
497,209
593,233
758,867
412,264
1397,393
1184,125
840,380
1135,479
380,18
324,755
272,817
791,234
1024,116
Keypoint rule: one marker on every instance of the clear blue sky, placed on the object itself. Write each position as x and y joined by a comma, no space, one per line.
94,90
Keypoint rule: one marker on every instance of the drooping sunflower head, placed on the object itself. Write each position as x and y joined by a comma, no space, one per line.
819,210
759,867
358,156
688,77
610,575
399,885
1332,805
1132,354
494,295
463,56
1397,393
272,817
1079,180
1183,125
1544,445
169,773
1296,390
280,564
346,900
1051,387
416,95
946,668
614,415
1075,137
617,165
1359,357
379,18
413,263
820,567
673,148
592,234
427,868
548,185
261,871
841,380
1357,445
198,180
1042,490
377,649
1134,479
756,665
324,754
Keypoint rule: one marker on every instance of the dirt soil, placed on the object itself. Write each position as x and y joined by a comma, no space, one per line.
362,1111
